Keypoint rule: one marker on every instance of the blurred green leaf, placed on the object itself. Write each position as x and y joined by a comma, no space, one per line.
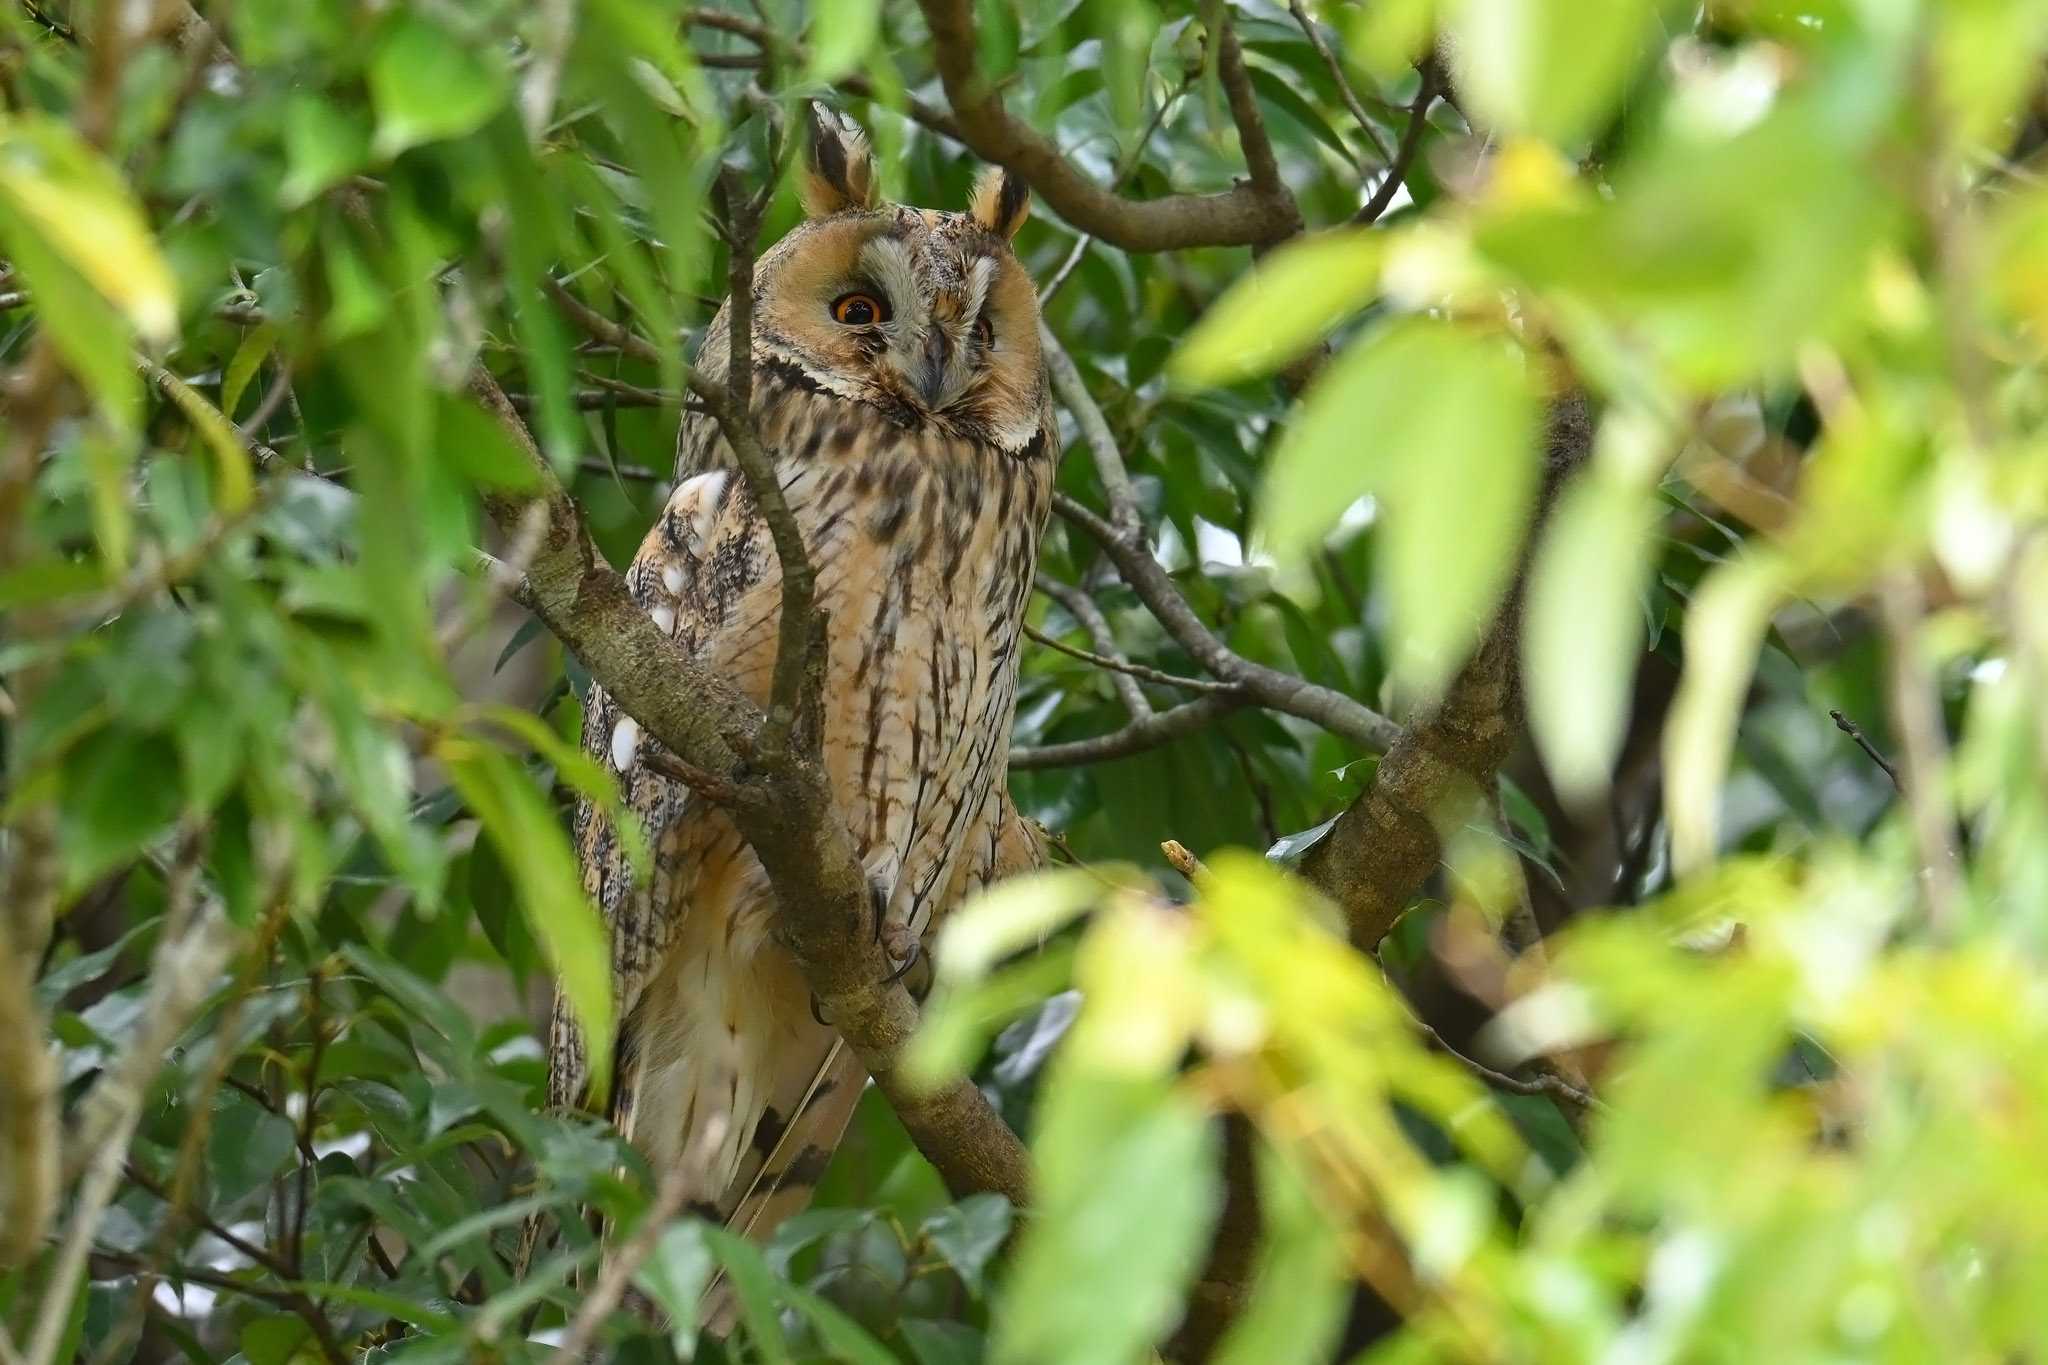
1281,307
1298,1290
427,84
64,201
968,1234
1437,422
1584,629
841,35
1511,56
527,837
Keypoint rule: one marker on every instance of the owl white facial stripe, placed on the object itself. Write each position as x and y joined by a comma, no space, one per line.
888,260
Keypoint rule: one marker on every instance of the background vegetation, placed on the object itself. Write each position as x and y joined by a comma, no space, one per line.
1567,479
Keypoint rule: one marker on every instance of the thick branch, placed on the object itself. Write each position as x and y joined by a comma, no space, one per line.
1248,214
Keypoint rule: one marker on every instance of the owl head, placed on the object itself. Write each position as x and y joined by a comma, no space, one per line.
924,314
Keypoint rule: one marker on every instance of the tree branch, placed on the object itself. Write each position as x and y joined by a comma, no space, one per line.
1245,215
1268,687
1147,732
1404,155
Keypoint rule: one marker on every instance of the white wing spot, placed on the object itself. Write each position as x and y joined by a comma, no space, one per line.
672,579
696,503
625,743
664,619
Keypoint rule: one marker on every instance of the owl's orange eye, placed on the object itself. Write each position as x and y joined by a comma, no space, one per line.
859,310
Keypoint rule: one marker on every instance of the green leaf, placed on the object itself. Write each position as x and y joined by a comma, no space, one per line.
1553,68
968,1235
841,34
1299,1289
941,1343
477,446
1724,629
1584,628
249,356
230,456
274,1338
325,142
1119,1230
61,193
246,1147
523,829
427,85
675,1277
1282,307
120,792
1438,423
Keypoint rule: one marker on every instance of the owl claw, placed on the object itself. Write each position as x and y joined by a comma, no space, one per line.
878,897
909,961
817,1013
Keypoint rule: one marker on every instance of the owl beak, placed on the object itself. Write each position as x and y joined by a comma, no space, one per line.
932,366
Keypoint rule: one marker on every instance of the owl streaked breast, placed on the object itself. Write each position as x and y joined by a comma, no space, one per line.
900,391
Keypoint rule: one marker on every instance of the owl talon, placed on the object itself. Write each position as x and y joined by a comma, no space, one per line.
908,962
818,1013
878,897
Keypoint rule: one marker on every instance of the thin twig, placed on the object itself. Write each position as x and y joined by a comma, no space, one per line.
1160,727
1125,668
1916,711
1256,211
621,1266
1268,687
1082,608
1404,155
1095,432
1341,78
1870,750
1546,1083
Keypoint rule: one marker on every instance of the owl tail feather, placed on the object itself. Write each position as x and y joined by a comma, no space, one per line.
786,1159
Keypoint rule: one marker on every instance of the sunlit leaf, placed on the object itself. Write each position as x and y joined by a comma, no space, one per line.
1723,632
1281,307
59,192
550,889
1298,1289
1438,422
1512,55
1585,628
841,34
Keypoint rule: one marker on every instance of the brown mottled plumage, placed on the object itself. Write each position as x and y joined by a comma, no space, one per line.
899,388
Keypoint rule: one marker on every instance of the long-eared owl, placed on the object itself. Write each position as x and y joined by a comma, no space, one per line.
899,389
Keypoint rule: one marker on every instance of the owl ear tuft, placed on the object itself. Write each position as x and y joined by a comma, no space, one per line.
840,173
1001,201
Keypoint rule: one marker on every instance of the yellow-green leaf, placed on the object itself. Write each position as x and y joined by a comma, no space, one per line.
230,455
1723,632
1550,67
527,836
1437,421
1282,307
55,186
841,34
1585,629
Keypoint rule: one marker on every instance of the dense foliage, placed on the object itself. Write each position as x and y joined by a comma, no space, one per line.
1715,1035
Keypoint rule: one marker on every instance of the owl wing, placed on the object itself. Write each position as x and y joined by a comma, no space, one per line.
638,910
